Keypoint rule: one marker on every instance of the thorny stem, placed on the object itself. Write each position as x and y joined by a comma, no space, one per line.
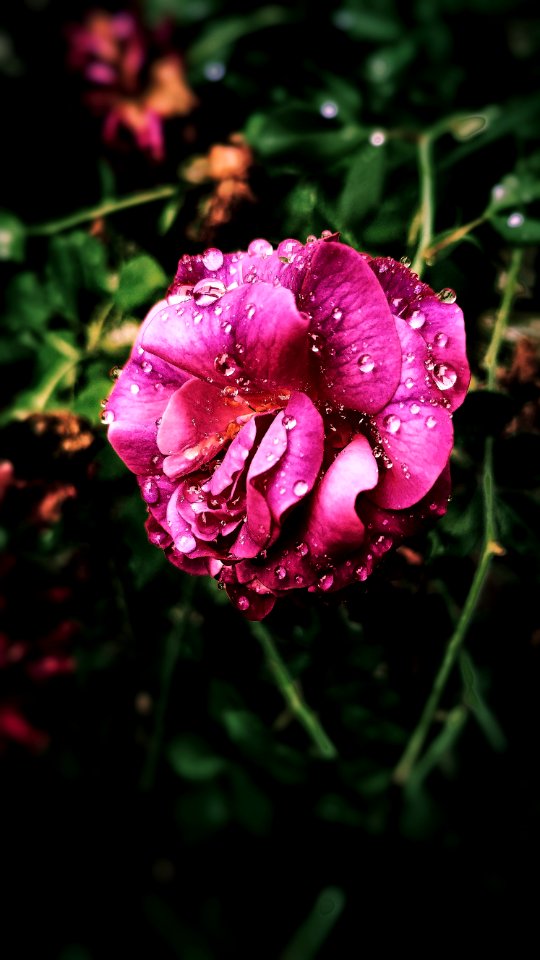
425,170
104,209
289,690
490,547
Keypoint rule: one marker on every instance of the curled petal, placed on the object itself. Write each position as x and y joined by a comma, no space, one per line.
195,425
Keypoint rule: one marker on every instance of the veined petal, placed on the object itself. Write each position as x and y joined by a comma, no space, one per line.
252,336
357,348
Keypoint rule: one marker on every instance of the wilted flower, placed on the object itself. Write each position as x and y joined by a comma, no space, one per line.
288,414
110,51
227,166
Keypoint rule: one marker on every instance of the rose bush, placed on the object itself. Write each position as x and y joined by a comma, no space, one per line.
288,414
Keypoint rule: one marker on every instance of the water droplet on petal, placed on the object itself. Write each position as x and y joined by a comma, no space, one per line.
300,488
134,388
260,248
146,366
406,261
366,363
289,422
392,423
280,573
207,291
431,422
150,491
107,416
115,372
415,408
416,319
288,249
302,549
212,259
186,543
447,295
361,573
250,310
440,340
409,383
337,313
325,580
224,364
444,376
242,603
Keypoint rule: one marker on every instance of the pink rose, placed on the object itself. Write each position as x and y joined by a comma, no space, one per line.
288,415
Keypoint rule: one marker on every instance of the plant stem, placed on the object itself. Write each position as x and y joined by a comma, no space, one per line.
425,170
104,209
490,547
492,352
289,690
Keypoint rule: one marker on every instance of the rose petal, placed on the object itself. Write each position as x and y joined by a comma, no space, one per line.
360,357
284,468
136,402
195,426
333,524
256,339
440,324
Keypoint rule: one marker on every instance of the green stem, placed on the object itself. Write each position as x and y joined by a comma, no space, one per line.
492,352
289,690
104,209
173,645
490,548
425,170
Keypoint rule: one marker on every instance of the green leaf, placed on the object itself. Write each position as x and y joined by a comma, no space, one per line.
362,190
301,134
57,360
517,228
169,213
220,35
140,280
12,237
191,757
76,261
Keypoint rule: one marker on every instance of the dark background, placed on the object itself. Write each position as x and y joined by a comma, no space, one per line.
170,807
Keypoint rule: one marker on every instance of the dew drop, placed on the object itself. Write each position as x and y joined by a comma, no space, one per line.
447,295
406,261
361,573
224,365
366,363
325,580
329,109
444,376
250,311
298,580
212,259
146,366
416,319
409,383
115,372
325,234
440,340
242,603
337,313
260,248
134,388
107,416
288,249
516,220
431,422
392,423
207,291
300,488
415,408
302,549
186,543
280,573
289,422
150,491
377,138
